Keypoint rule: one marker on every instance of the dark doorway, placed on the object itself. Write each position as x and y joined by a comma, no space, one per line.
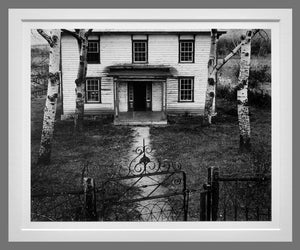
139,93
139,96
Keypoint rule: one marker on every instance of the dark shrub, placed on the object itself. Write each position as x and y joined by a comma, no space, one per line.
255,98
259,74
226,92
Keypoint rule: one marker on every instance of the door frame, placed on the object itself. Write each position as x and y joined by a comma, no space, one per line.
130,95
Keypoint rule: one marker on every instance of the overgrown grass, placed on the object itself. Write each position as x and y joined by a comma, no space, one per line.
96,149
188,142
198,148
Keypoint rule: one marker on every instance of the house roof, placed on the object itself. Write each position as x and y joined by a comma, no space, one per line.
156,31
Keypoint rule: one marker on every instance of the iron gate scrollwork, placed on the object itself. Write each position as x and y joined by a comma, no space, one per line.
145,190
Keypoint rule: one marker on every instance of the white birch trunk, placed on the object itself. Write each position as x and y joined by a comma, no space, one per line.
52,93
212,79
242,93
81,78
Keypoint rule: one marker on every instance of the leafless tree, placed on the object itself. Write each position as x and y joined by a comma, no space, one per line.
53,39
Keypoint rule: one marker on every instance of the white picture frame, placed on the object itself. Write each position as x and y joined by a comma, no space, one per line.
21,21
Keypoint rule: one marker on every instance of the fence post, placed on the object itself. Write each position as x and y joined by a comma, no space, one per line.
203,216
212,193
215,193
208,194
90,212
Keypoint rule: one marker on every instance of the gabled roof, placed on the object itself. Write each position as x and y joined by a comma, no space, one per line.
158,31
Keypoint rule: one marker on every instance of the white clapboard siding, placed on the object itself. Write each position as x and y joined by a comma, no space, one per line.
157,96
117,49
198,70
70,62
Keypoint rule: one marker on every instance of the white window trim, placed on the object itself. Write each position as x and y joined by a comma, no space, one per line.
133,51
193,51
192,89
99,90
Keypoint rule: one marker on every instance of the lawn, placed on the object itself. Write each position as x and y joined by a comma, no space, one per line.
96,149
196,148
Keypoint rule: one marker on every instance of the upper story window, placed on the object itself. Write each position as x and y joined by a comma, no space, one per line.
93,90
93,53
139,49
186,49
186,89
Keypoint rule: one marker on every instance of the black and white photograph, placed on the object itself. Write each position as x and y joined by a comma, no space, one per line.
151,125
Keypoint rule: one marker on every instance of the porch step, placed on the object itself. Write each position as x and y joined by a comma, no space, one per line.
139,123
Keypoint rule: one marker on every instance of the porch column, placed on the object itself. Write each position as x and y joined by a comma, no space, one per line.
116,97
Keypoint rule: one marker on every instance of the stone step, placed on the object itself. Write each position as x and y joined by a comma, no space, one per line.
134,123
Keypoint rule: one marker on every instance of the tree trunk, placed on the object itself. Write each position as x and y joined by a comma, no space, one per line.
242,93
81,78
212,79
52,93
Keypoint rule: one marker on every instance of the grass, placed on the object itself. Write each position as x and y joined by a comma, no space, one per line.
96,149
196,148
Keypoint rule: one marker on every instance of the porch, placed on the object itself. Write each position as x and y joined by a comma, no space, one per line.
141,118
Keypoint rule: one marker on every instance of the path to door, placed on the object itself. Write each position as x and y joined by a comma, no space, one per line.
139,133
151,210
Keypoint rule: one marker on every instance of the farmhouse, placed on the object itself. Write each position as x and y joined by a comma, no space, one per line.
138,77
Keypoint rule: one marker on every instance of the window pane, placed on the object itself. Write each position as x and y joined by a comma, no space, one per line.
140,51
186,89
93,54
93,47
93,90
186,51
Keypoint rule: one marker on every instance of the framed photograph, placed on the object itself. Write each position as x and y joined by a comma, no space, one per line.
150,125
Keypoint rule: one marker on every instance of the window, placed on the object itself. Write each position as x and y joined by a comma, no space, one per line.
186,89
186,51
93,90
140,51
93,54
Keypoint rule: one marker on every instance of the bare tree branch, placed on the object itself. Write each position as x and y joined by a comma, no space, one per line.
233,52
72,33
48,38
263,36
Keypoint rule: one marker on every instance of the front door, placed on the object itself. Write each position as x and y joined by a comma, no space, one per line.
139,96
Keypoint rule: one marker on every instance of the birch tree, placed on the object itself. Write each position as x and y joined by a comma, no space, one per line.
213,68
53,39
242,92
212,78
82,38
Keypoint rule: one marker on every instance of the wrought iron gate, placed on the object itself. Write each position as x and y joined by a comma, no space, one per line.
145,190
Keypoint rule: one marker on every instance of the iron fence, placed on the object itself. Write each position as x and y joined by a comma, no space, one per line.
149,190
233,198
